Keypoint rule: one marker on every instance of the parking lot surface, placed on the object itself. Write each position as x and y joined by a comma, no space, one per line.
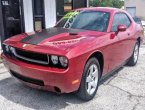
123,91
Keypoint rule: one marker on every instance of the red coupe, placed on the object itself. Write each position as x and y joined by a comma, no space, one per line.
85,45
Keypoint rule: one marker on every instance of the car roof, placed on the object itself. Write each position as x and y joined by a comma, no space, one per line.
106,9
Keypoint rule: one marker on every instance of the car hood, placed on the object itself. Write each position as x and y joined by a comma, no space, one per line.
60,38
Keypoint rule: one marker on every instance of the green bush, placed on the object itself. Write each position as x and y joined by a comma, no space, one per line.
107,3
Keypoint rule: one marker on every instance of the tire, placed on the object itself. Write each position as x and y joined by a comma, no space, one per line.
134,58
89,83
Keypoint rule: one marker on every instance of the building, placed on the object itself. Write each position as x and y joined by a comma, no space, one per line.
18,16
136,7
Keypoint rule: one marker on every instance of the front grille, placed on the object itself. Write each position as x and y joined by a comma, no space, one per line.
31,57
26,79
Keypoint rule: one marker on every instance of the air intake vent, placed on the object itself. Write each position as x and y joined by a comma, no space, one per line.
26,79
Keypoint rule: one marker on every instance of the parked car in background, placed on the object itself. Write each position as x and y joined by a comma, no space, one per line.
86,45
137,20
143,24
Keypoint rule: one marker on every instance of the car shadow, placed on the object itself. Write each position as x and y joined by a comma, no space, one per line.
18,93
110,75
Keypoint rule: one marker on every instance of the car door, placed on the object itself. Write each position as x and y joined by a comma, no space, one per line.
118,47
128,39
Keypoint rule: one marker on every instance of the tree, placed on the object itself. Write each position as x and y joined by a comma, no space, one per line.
118,3
107,3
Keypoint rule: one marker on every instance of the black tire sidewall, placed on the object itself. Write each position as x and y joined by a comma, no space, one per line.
131,60
82,92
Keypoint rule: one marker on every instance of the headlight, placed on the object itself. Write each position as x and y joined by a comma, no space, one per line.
54,59
59,61
63,61
12,50
7,48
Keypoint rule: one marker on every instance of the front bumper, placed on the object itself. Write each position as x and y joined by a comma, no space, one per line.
51,79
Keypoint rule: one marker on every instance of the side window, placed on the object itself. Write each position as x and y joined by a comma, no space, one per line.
115,23
125,20
120,18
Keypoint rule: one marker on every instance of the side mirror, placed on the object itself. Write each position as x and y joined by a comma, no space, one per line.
121,28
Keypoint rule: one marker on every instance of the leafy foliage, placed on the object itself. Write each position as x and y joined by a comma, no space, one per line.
107,3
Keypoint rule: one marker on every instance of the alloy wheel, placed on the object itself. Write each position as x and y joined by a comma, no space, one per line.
92,79
136,53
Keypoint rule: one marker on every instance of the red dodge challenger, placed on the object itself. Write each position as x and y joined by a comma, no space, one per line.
85,46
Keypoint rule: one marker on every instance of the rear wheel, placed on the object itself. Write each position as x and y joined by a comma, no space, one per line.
90,80
134,58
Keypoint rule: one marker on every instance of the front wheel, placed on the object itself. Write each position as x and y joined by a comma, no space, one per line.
134,58
90,80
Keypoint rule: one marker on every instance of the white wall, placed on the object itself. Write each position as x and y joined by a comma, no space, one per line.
140,7
28,15
88,3
50,13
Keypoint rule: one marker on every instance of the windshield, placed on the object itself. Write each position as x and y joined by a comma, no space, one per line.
88,20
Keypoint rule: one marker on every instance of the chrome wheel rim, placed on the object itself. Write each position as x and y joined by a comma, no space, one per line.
92,79
136,53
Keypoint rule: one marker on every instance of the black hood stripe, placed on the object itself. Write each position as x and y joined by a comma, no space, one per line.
46,33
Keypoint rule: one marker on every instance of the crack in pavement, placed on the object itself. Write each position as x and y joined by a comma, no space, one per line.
135,106
130,95
128,79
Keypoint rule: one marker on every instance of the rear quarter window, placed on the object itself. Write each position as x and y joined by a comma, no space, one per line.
120,19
